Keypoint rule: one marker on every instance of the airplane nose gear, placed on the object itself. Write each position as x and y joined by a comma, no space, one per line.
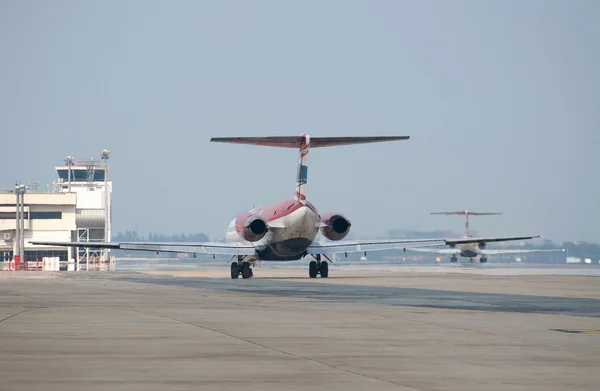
454,259
482,260
318,267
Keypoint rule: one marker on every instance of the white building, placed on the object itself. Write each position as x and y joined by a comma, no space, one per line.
75,210
48,216
87,180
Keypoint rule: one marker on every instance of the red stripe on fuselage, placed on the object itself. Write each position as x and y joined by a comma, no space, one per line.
273,212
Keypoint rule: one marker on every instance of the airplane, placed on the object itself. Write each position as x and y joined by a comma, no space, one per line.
472,250
287,230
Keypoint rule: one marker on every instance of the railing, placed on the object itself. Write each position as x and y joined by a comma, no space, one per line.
54,264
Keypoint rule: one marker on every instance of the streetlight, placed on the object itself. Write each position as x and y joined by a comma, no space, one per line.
20,225
69,161
105,156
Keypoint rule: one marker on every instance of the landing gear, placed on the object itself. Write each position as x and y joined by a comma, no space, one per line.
235,270
454,259
313,269
482,260
245,270
318,267
324,269
240,267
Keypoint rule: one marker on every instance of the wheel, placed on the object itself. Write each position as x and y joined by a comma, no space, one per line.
453,259
483,260
251,273
324,269
235,270
245,270
312,269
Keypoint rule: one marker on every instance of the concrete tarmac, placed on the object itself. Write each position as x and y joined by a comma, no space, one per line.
281,331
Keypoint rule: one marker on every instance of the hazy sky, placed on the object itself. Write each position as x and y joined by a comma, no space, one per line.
500,98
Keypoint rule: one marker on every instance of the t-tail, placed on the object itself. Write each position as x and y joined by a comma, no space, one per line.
304,142
301,177
466,213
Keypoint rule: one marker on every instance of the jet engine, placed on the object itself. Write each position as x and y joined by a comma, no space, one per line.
253,229
336,226
482,245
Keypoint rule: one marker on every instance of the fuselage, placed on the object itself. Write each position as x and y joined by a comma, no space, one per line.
469,250
292,226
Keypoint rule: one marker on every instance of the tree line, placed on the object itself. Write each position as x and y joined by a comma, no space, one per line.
132,236
574,249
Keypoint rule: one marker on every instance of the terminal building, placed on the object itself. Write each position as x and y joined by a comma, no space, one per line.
76,208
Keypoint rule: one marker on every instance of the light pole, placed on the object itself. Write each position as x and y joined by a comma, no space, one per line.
105,156
17,250
20,224
69,161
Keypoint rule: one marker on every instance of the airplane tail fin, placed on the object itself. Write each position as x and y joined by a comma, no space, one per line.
304,142
466,213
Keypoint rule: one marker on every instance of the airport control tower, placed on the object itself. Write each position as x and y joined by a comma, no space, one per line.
89,180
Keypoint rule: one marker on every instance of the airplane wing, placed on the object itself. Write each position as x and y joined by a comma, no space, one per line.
349,246
435,250
236,248
346,246
221,248
498,252
489,240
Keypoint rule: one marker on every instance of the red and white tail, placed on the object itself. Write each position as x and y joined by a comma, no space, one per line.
302,175
304,142
466,213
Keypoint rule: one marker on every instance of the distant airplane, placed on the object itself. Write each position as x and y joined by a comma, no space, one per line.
285,231
472,250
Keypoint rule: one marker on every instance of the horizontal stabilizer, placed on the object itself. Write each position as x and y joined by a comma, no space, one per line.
466,213
296,141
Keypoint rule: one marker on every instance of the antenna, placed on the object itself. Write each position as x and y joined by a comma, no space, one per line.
33,184
466,213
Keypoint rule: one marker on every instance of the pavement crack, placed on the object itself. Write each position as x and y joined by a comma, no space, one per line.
332,366
13,315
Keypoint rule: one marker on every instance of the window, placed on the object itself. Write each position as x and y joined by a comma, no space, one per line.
12,215
82,175
46,215
34,215
9,215
32,255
